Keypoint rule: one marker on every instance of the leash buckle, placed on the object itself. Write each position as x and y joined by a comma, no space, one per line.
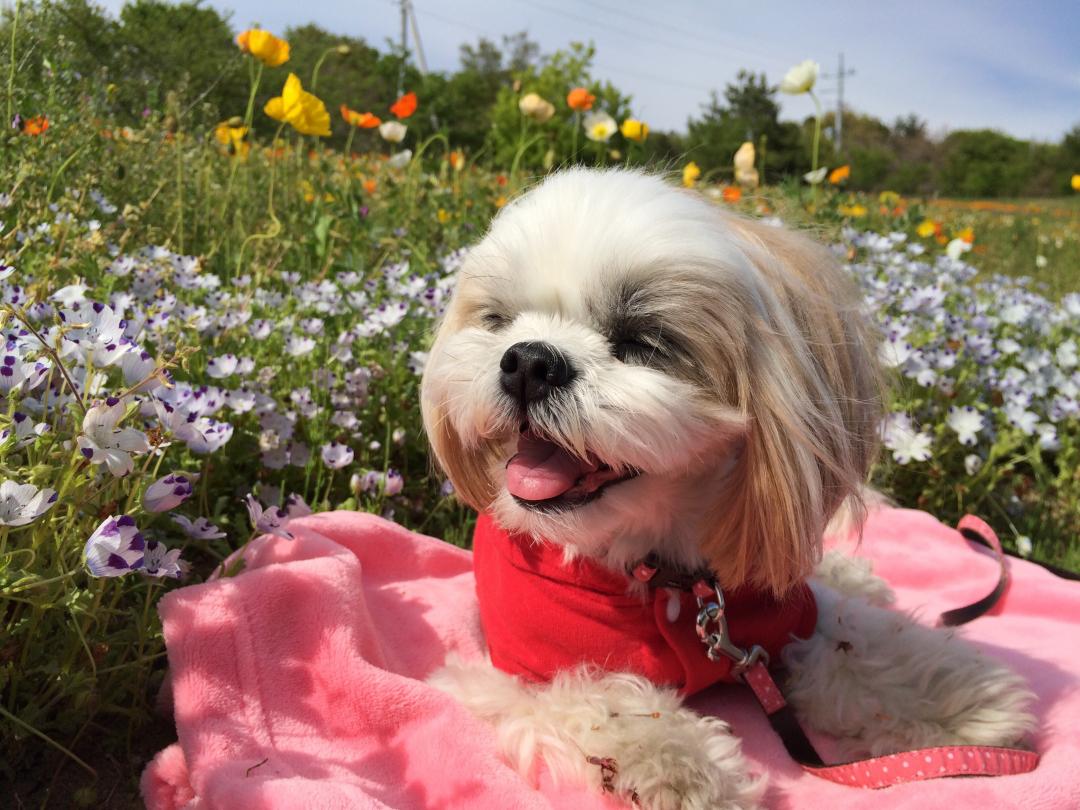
712,629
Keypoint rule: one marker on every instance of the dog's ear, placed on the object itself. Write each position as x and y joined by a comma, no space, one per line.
468,468
809,385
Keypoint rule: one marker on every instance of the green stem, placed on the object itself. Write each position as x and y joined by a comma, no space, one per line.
19,722
255,78
11,67
817,140
275,227
315,70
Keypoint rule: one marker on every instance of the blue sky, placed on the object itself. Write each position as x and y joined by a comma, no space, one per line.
1006,64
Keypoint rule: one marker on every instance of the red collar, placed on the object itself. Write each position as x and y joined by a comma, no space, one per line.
541,615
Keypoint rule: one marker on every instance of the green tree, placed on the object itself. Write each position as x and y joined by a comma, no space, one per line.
984,163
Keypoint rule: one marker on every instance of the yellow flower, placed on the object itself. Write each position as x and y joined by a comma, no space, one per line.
857,210
927,228
690,174
889,198
303,111
500,201
967,234
1076,182
745,173
264,46
634,130
443,216
233,135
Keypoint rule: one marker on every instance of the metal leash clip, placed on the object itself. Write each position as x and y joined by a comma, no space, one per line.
712,629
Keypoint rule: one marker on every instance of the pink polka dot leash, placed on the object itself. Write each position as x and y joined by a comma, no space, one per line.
884,771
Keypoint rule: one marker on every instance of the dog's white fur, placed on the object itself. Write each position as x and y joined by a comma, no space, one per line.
749,404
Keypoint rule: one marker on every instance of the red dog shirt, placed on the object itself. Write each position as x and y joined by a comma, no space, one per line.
541,615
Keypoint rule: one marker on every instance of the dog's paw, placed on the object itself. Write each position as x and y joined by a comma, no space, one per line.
682,761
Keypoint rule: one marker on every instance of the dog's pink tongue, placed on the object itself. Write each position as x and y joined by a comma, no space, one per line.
541,469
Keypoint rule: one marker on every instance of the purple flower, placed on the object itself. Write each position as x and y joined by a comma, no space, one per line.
393,483
200,529
335,456
115,548
23,503
168,492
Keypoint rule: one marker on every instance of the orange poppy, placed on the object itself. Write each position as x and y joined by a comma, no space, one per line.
731,194
404,106
839,174
36,125
370,186
364,120
580,99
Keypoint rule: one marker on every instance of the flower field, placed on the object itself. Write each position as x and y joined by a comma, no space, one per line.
212,330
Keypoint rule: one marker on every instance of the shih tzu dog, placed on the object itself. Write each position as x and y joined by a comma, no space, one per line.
627,373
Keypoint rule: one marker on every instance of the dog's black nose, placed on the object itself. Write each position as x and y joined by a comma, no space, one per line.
531,370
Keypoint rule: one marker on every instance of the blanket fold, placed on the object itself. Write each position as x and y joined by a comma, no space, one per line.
299,683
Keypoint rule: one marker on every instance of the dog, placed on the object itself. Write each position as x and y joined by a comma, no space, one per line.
626,372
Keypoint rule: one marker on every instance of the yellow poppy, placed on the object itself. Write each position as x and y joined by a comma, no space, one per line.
264,46
1076,182
967,234
690,174
303,111
443,216
857,210
233,135
634,130
927,228
839,175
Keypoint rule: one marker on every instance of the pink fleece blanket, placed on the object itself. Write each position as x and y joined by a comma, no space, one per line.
299,683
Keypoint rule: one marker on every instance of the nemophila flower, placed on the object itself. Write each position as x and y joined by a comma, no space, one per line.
264,46
199,529
271,520
393,131
907,444
158,561
302,110
801,78
6,271
97,331
102,442
599,126
972,463
21,504
24,430
335,455
224,365
1021,418
634,130
17,374
260,329
967,422
168,492
393,483
115,548
298,346
404,106
1023,545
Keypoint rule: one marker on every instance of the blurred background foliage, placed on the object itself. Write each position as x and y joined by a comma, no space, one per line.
185,47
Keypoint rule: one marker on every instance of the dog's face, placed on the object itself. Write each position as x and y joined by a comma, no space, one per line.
625,368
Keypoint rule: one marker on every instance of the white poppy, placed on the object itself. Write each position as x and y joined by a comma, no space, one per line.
599,126
801,78
817,176
534,107
393,131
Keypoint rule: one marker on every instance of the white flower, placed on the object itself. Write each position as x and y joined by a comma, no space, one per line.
23,503
400,160
1066,354
1041,262
101,442
900,436
160,562
25,430
817,176
168,492
222,366
200,529
599,126
298,346
1023,545
98,332
335,456
972,463
115,548
967,422
393,483
538,109
271,520
393,131
957,248
801,78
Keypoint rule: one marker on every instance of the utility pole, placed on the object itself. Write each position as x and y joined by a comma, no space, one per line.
401,68
838,127
416,38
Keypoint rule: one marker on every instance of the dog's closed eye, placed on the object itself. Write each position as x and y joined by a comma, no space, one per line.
495,321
